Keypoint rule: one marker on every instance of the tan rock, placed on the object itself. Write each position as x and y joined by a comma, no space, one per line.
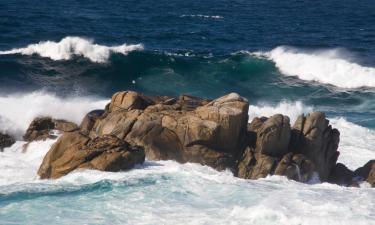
273,136
129,100
315,138
41,127
75,151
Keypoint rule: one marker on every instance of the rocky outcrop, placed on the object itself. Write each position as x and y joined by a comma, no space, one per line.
318,141
367,172
190,129
76,151
186,129
6,141
273,136
341,175
268,152
41,128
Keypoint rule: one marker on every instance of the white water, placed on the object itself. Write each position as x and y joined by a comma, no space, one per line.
203,16
18,110
326,66
171,193
71,46
291,109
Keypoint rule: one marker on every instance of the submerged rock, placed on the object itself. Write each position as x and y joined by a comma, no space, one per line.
6,141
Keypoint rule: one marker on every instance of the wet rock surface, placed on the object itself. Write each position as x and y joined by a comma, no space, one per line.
6,140
215,133
41,128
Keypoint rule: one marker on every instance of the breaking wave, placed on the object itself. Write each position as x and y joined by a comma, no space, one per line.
74,46
18,110
326,66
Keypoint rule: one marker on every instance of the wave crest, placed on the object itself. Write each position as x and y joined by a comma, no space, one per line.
328,66
71,46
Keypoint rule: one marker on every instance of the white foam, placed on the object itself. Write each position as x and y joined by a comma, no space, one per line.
70,46
18,110
166,192
356,143
291,109
325,66
19,166
203,16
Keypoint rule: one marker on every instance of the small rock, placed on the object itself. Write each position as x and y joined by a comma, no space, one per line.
6,141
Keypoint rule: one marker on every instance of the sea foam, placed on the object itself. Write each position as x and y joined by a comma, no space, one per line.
324,66
171,193
18,110
71,46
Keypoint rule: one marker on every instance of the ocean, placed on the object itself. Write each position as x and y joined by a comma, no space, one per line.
66,58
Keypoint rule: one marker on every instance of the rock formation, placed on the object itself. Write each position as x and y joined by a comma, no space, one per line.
6,141
367,172
76,151
41,128
189,129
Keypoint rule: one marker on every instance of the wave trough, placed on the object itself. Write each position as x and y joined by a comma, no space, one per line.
74,46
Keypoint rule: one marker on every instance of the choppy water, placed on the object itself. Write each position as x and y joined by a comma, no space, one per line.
65,58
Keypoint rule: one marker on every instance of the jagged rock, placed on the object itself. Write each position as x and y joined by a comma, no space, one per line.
76,151
296,167
6,141
273,135
188,129
367,172
341,175
41,127
315,138
89,121
129,100
254,165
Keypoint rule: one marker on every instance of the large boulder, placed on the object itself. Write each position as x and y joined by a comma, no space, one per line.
318,141
74,150
186,129
41,128
273,136
6,141
129,100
